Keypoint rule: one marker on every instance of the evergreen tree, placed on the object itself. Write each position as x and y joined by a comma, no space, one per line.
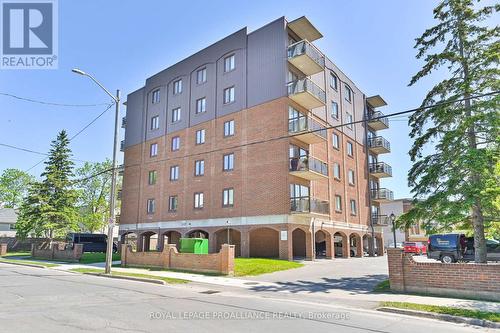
457,183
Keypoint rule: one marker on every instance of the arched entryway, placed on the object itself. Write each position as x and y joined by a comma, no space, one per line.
356,248
148,241
264,243
198,233
340,245
322,244
172,237
379,243
129,238
221,237
299,243
367,243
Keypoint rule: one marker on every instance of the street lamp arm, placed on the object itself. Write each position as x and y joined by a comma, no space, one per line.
102,87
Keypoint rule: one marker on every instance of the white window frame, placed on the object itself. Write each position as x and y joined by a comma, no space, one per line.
151,206
229,63
350,149
336,141
176,143
351,177
152,177
349,119
334,81
338,203
155,96
177,89
229,128
336,171
354,208
155,122
198,200
199,168
228,162
174,173
228,95
201,75
173,200
201,105
200,136
153,150
335,110
348,93
176,115
228,197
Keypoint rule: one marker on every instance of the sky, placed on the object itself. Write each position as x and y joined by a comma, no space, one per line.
123,42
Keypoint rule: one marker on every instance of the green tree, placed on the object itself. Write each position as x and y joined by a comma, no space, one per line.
93,193
454,183
50,207
14,187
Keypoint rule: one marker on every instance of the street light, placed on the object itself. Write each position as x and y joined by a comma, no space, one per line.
393,220
112,198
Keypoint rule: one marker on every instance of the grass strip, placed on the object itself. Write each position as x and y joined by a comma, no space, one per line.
162,278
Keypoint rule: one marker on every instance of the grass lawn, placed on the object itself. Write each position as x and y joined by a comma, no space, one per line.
91,258
22,261
166,279
257,266
491,316
382,286
17,254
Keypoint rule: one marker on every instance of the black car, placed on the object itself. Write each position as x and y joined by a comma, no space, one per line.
446,247
91,242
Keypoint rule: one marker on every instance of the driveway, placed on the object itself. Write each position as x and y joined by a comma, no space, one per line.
351,276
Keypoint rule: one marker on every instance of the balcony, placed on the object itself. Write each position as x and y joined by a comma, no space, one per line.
306,57
308,168
380,170
377,121
382,195
307,130
309,206
380,220
306,93
122,145
124,122
379,145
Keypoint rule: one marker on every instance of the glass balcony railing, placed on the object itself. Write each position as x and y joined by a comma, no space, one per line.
124,122
306,93
380,168
122,145
377,120
381,220
306,124
307,163
306,57
379,144
382,194
309,205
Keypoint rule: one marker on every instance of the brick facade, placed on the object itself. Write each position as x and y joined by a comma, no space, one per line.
58,251
457,280
3,249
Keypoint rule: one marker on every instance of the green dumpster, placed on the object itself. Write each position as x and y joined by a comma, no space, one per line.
194,245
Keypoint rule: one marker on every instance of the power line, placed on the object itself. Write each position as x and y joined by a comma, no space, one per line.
32,151
49,103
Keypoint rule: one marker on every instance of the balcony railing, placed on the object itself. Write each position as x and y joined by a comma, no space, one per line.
379,145
306,93
380,169
124,122
381,220
122,145
377,121
309,205
306,57
308,167
307,129
382,194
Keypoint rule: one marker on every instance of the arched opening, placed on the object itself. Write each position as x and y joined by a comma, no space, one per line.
229,236
379,245
129,238
356,248
172,237
340,245
264,243
322,244
367,243
198,234
149,241
299,243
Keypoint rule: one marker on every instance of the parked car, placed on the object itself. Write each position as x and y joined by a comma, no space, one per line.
414,247
446,247
91,242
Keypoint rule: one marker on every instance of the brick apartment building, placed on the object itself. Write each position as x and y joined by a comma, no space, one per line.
233,142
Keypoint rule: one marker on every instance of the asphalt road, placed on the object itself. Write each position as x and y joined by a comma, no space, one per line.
47,300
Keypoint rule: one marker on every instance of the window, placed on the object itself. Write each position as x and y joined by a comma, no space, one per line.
151,206
174,172
351,177
335,141
338,203
152,177
199,168
228,197
333,81
336,171
353,207
348,93
176,143
176,115
350,150
153,150
335,110
229,63
299,198
201,76
155,122
229,128
200,137
349,120
172,203
228,162
155,96
201,105
198,200
177,87
228,95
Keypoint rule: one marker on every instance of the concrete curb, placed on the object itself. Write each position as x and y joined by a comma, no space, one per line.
441,316
22,264
123,277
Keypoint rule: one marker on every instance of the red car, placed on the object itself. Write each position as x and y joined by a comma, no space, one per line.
414,247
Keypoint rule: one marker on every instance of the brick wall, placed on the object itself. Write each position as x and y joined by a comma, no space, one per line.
58,251
3,249
221,262
459,280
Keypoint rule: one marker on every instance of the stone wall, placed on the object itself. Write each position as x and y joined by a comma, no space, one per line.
58,251
221,262
15,244
469,280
